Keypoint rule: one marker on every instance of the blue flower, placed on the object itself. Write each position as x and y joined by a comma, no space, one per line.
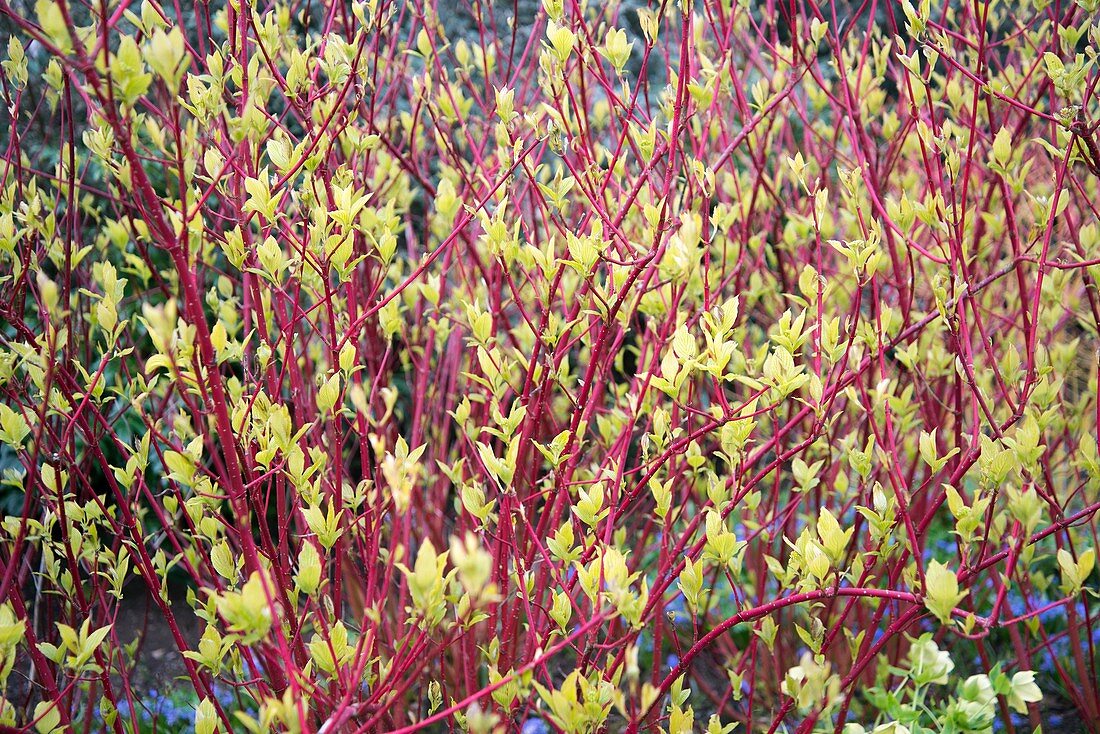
176,713
534,725
225,695
1052,614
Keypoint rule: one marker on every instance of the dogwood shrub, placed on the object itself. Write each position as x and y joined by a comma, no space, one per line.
571,367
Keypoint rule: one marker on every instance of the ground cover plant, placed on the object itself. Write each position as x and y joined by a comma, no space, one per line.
563,367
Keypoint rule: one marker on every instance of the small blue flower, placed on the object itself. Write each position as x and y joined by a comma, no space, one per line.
534,725
177,713
224,695
1060,648
1052,614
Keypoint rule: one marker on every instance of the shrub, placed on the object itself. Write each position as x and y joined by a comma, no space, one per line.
577,367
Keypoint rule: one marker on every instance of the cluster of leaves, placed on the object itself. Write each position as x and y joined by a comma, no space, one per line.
606,368
914,704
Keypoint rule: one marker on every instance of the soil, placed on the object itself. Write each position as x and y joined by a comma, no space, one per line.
159,660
